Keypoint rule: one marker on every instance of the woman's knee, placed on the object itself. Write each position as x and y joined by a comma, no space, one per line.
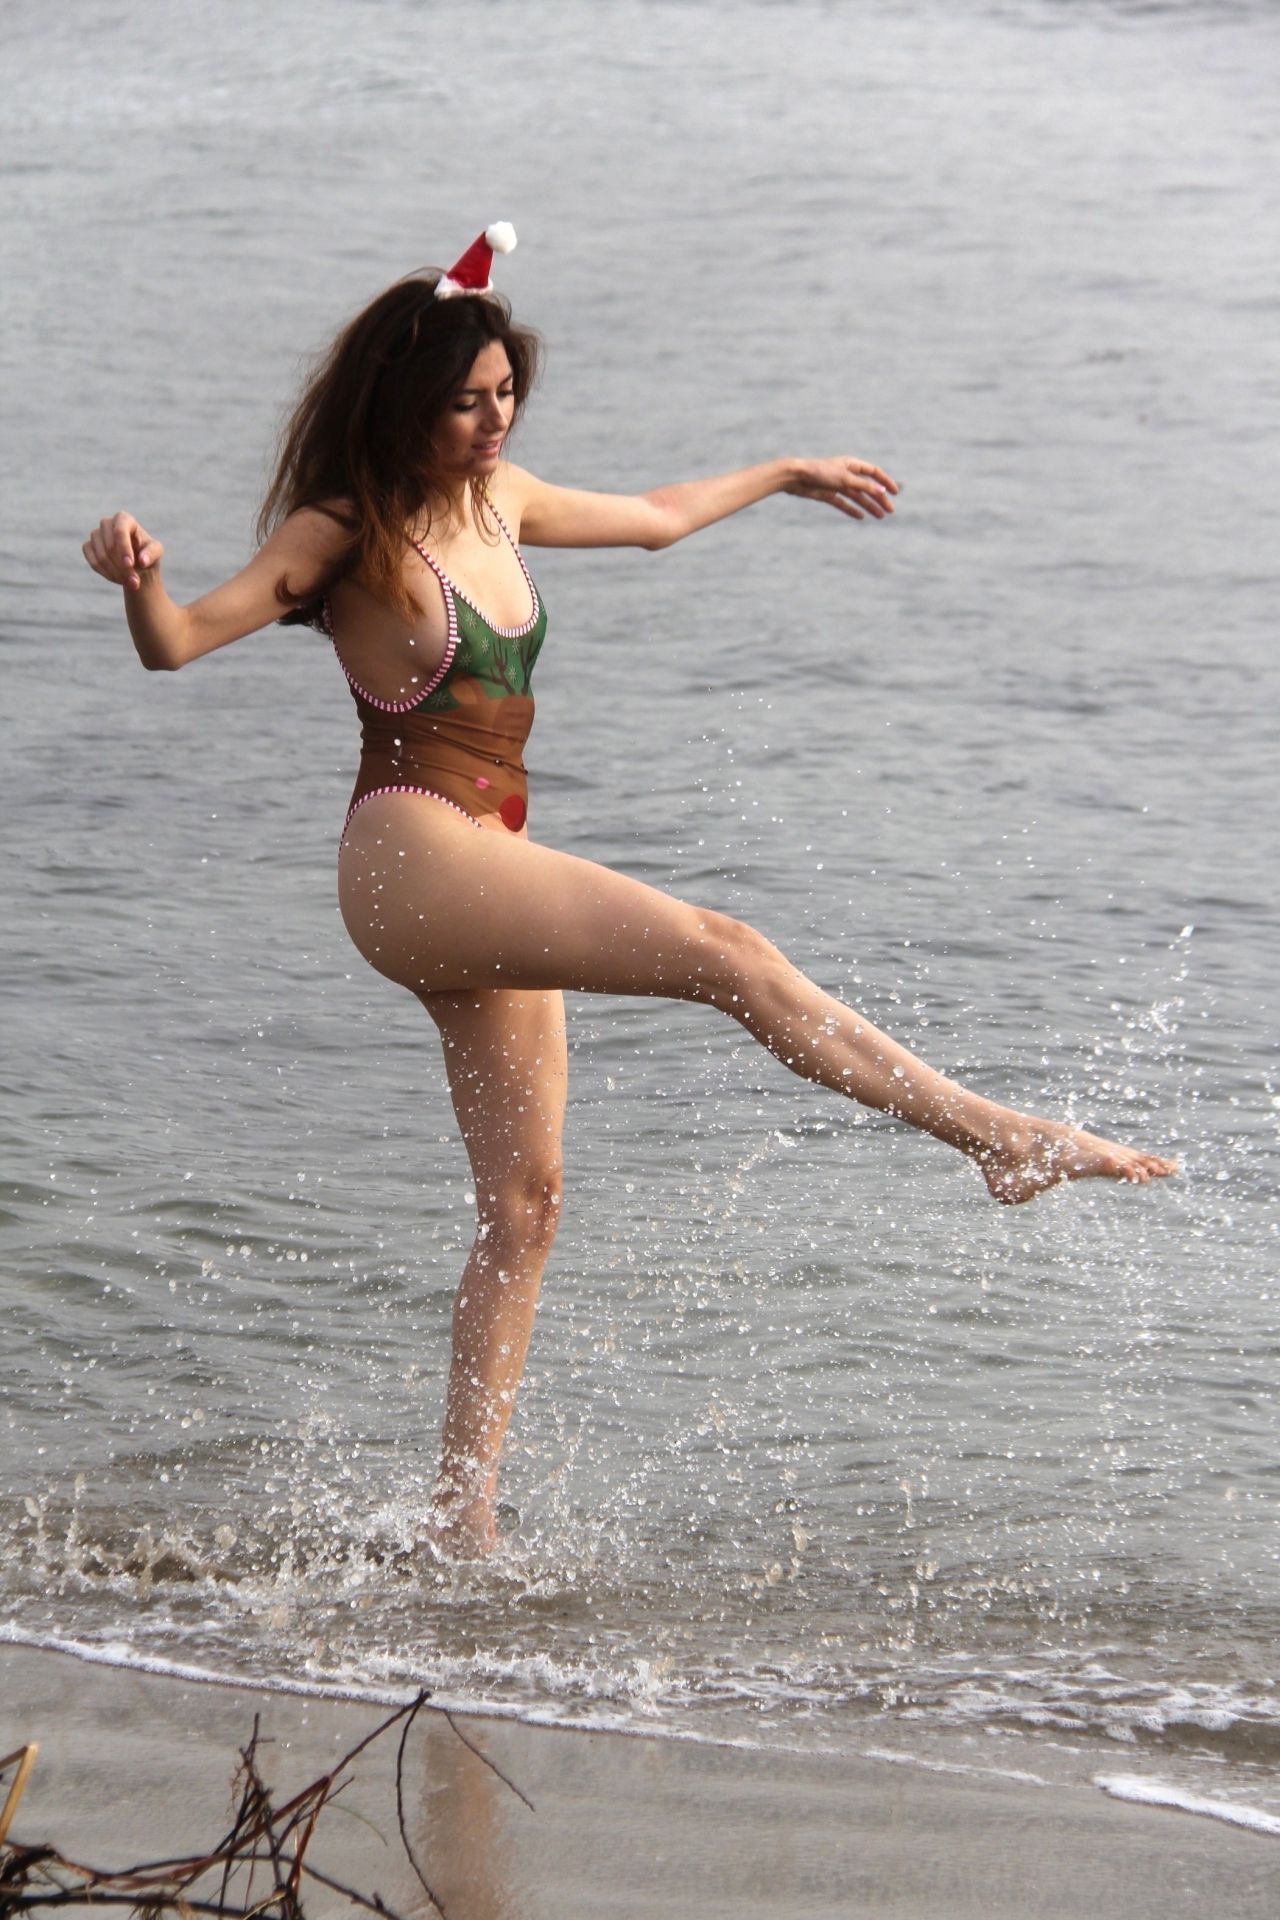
523,1209
733,958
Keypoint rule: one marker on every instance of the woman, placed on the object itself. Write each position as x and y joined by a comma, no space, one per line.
392,522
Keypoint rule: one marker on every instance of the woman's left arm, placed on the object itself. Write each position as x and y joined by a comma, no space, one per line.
562,517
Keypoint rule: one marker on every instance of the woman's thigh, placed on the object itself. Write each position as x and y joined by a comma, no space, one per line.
436,905
506,1058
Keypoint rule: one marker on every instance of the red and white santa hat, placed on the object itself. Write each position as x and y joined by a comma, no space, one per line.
470,274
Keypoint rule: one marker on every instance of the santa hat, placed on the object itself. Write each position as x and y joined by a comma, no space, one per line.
471,273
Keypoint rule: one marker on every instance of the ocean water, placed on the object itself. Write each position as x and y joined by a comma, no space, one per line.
817,1447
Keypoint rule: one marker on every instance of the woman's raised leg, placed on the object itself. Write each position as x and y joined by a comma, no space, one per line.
506,1061
436,905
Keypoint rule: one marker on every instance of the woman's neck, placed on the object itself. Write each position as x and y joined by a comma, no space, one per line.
452,511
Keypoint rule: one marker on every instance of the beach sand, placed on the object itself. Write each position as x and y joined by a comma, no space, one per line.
137,1766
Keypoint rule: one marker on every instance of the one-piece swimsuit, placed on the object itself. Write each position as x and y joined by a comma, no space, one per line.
461,740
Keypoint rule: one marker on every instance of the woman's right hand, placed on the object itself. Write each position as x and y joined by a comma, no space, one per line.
122,551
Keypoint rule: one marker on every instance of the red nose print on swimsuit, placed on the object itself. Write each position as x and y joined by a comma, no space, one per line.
512,812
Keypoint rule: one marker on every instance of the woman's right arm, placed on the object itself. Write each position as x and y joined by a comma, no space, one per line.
303,550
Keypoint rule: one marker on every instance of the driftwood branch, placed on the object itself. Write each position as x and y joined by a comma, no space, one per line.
261,1836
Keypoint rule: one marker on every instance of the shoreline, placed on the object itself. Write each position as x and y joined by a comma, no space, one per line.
136,1764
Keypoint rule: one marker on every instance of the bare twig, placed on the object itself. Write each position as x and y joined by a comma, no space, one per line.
230,1844
261,1836
295,1875
491,1764
404,1831
374,1902
26,1759
267,1819
82,1896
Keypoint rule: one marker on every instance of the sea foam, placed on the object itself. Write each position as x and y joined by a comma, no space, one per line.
1158,1793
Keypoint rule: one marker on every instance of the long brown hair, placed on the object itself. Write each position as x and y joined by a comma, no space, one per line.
358,445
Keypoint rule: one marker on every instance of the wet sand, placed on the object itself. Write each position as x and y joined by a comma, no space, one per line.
136,1766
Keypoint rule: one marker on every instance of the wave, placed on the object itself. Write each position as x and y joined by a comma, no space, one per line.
1134,1788
1158,1793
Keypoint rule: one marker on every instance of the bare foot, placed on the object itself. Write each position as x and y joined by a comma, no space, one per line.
1032,1155
462,1530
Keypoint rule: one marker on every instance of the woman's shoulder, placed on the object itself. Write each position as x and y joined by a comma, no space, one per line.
511,490
306,552
322,527
512,483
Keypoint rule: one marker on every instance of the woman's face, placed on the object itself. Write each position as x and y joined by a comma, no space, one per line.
468,436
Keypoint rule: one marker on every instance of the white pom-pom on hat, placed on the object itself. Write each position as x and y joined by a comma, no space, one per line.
470,274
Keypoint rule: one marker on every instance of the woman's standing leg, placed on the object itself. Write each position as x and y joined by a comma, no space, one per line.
506,1059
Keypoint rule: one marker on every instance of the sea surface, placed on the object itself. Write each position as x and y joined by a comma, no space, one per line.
817,1447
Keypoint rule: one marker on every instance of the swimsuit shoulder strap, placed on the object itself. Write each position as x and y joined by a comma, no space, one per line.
449,589
514,545
453,594
439,571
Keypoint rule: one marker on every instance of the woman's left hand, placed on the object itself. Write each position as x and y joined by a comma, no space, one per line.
854,486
